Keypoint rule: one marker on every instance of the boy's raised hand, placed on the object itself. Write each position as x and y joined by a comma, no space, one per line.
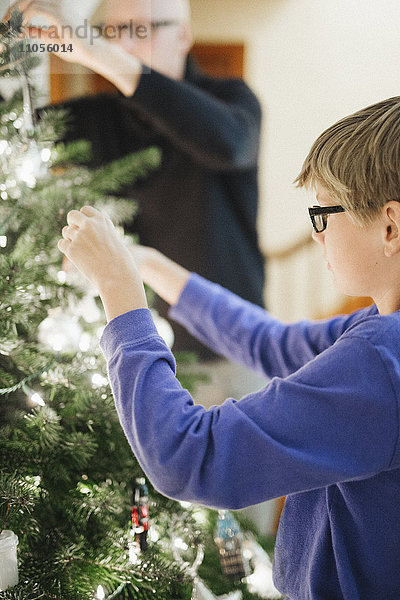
91,242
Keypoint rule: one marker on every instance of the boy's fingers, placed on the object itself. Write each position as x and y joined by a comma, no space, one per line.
69,232
89,211
63,245
76,217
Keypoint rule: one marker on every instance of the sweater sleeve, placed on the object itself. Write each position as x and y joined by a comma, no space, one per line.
249,335
217,127
333,420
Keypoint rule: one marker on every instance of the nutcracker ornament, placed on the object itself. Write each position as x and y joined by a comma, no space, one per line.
140,514
228,539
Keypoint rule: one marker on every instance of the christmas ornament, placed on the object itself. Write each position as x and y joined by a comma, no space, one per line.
8,560
60,332
260,582
200,589
140,514
229,541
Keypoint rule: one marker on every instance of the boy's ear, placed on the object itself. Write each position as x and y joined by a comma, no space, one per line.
391,221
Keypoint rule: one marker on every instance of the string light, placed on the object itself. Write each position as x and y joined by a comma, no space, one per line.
61,276
37,399
3,241
98,380
180,544
45,154
100,593
34,398
85,342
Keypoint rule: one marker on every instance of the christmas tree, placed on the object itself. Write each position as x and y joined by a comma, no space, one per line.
71,491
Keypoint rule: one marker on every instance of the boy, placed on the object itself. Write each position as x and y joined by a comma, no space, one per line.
325,430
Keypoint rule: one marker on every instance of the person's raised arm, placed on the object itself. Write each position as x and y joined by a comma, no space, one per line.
165,277
228,324
89,50
231,326
215,122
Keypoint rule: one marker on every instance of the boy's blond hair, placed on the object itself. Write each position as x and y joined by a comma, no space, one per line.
358,160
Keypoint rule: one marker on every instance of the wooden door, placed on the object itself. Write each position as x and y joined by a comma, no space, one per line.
69,81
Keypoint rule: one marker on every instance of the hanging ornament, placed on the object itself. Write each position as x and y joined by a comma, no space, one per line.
260,582
8,560
29,165
29,111
60,332
229,541
200,590
140,514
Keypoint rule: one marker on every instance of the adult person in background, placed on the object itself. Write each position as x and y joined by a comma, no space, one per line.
200,207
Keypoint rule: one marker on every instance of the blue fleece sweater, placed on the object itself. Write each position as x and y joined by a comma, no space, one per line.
324,432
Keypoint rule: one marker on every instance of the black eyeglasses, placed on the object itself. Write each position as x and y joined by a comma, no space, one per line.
319,216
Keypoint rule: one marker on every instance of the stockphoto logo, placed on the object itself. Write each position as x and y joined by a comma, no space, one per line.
92,32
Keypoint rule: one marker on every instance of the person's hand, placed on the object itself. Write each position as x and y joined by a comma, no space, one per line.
91,242
88,48
59,27
162,274
144,257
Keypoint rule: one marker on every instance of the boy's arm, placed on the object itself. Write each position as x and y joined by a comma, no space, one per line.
232,327
334,420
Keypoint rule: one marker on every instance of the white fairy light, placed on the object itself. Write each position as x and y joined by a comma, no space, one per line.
59,332
37,399
26,171
35,480
3,241
61,276
3,146
180,544
100,595
46,154
30,165
84,342
98,380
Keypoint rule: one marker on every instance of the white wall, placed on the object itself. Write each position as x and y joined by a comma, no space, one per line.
310,62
